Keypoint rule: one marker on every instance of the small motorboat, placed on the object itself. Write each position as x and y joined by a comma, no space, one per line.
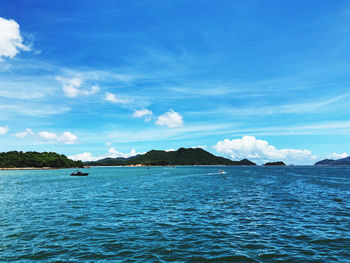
79,173
222,172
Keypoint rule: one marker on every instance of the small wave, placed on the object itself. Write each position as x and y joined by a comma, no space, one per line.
232,258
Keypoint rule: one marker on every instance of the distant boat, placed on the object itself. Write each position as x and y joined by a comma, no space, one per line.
222,172
79,173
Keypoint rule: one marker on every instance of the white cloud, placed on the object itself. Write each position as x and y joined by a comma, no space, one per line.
200,146
142,113
113,98
108,143
24,133
146,113
172,119
72,87
85,157
260,150
338,155
93,90
4,129
47,135
68,138
112,153
11,42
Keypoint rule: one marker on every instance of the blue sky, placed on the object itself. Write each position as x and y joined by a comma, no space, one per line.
264,80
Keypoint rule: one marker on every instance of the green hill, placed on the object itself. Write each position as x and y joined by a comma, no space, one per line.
182,156
16,159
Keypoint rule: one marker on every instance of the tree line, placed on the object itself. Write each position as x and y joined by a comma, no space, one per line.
15,159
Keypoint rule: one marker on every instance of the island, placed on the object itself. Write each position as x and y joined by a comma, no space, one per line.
331,162
36,160
275,164
183,156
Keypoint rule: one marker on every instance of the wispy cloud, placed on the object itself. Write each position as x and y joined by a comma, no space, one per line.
25,87
25,133
72,87
189,131
316,128
297,108
21,108
114,99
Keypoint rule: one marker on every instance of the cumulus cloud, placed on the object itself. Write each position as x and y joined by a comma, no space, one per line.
112,153
85,157
200,146
11,42
47,135
4,129
338,155
24,133
172,119
73,87
114,99
261,151
66,137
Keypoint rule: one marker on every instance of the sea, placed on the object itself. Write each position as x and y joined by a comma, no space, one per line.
176,214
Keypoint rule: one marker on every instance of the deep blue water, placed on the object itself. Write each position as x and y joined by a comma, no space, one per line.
187,214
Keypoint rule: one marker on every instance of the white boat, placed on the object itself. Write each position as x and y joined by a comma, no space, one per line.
222,172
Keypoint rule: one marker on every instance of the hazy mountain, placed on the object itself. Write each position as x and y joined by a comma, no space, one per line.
275,164
331,162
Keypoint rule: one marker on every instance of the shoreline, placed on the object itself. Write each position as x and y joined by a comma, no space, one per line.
150,166
30,168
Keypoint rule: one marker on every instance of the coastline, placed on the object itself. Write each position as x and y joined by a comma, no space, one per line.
170,165
150,166
137,165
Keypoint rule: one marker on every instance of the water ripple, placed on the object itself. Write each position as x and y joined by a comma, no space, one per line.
188,214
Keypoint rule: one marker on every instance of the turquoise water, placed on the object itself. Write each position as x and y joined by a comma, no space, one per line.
187,214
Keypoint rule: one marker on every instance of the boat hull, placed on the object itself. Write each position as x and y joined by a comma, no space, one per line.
82,174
